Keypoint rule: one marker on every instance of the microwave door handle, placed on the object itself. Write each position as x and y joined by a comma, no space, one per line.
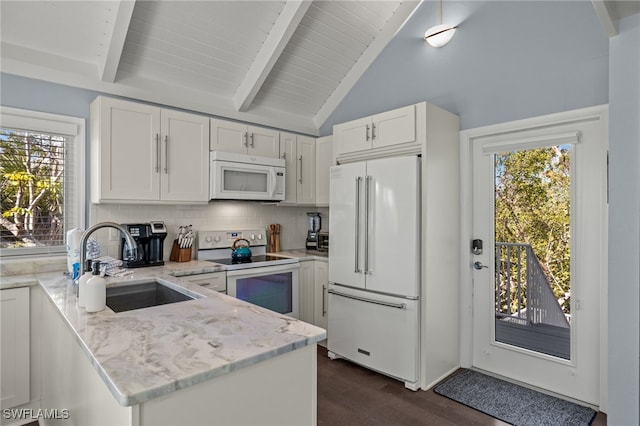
274,182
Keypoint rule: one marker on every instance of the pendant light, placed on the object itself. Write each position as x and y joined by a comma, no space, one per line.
441,34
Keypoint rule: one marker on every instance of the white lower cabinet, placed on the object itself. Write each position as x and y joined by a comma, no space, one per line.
314,283
306,292
321,301
14,369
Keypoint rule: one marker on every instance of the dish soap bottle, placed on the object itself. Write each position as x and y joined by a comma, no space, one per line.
82,285
96,290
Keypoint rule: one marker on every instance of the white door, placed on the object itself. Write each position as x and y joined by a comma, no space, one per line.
392,201
345,220
306,184
228,136
578,138
263,142
185,157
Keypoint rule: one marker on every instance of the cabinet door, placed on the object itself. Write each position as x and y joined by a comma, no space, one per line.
263,142
216,281
228,136
321,308
306,283
126,150
185,157
353,136
324,160
288,153
394,127
14,350
306,188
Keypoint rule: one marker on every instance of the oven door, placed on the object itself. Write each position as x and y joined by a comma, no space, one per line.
239,181
272,287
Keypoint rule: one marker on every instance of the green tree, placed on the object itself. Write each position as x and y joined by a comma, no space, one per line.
31,182
532,206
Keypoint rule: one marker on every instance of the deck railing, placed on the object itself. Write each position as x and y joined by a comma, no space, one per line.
523,293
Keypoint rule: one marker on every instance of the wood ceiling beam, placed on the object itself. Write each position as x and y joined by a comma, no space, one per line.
276,41
395,23
607,19
111,60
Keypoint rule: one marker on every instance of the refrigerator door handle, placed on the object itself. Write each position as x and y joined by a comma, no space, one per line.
367,211
364,299
357,269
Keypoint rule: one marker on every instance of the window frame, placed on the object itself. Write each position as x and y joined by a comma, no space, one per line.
75,129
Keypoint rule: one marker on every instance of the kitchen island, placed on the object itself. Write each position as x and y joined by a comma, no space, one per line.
212,360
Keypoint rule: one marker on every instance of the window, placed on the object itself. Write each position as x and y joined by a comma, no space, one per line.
42,181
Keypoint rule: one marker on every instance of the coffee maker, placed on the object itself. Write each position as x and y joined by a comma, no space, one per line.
312,232
150,238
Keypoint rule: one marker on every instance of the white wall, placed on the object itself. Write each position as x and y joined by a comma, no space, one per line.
215,215
508,60
624,225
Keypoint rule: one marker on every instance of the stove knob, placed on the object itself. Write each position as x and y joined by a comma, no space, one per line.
259,236
253,236
216,239
208,238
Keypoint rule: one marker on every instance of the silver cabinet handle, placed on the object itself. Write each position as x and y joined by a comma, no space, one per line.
367,126
300,175
367,209
166,154
373,131
251,144
284,156
324,298
364,299
357,269
244,136
157,152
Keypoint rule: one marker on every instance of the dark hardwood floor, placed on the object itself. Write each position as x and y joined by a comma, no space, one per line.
351,395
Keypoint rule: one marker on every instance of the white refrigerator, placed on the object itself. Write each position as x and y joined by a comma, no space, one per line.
374,266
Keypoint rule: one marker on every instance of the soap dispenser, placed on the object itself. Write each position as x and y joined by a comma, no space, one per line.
82,285
96,290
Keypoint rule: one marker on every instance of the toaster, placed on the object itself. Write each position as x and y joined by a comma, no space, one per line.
323,241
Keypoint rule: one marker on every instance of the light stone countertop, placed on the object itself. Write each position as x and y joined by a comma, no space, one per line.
145,353
303,254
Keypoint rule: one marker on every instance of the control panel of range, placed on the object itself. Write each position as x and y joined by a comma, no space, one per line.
225,239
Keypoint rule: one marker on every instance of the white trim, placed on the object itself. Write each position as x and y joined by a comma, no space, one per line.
74,127
532,142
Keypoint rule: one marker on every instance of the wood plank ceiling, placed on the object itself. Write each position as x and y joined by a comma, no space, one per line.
286,64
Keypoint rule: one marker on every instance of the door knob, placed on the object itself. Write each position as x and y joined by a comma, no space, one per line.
479,265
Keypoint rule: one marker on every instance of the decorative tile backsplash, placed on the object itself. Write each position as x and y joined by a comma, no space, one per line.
215,215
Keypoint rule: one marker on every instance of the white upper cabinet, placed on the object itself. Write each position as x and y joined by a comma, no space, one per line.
382,130
299,153
141,153
230,136
325,158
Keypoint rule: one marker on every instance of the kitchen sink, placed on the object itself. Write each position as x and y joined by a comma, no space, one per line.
143,295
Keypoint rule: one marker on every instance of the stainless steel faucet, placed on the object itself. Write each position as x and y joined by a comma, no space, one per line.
133,246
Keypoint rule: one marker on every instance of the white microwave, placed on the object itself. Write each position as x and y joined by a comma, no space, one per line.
246,177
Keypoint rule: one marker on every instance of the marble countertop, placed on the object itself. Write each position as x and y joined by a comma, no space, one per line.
303,254
145,353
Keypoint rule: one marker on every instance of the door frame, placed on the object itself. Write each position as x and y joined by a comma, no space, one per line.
467,138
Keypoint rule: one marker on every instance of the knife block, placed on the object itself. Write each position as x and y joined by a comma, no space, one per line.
180,254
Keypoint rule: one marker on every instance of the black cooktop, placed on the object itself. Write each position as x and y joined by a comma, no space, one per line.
253,259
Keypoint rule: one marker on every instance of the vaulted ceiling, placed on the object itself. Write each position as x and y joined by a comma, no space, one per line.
286,64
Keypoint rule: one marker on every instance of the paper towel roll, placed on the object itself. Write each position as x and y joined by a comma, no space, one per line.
73,251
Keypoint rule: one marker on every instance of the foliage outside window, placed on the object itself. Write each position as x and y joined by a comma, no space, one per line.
533,206
41,181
